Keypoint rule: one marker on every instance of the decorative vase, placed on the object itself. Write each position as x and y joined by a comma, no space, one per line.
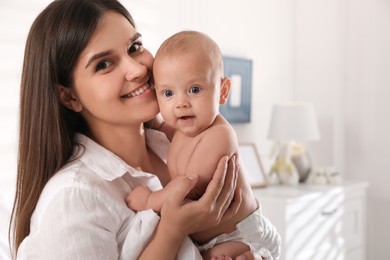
301,160
285,168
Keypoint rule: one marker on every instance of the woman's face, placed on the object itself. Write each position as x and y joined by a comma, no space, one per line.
112,76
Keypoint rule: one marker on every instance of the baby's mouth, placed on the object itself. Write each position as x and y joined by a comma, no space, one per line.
186,117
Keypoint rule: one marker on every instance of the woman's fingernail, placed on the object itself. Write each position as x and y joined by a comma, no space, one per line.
225,162
191,177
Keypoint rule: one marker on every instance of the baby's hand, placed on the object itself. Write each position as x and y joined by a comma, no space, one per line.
138,198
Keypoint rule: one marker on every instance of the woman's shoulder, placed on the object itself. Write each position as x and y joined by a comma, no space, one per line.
76,181
71,208
76,190
64,182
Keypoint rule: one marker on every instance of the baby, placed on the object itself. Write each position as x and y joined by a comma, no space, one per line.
190,85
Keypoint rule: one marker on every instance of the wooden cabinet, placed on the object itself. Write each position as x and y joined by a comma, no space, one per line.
318,222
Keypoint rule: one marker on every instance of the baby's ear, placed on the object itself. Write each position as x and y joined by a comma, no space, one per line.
225,89
68,98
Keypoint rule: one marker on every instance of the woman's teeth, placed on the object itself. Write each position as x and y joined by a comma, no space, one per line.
137,92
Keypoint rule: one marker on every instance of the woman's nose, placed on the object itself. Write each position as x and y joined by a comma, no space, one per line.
134,69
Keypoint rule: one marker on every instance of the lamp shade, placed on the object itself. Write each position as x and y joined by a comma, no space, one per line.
293,121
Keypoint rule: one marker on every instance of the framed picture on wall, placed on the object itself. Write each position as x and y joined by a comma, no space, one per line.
252,165
238,107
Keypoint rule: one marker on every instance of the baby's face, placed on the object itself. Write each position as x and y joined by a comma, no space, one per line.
188,91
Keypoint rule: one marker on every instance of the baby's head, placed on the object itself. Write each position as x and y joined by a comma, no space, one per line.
195,44
189,80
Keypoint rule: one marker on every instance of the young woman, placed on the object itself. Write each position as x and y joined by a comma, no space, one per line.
85,96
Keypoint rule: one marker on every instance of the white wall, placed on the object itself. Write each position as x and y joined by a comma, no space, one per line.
342,65
367,112
319,70
333,53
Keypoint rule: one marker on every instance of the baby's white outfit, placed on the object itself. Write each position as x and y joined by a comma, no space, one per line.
257,232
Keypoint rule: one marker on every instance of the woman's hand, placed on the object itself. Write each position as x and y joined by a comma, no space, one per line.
181,217
219,203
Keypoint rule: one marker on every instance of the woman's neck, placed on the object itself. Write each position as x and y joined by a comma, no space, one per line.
127,143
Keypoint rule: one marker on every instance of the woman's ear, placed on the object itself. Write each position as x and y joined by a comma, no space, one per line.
225,89
68,98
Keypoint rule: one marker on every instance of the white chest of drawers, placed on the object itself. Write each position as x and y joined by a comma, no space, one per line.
318,222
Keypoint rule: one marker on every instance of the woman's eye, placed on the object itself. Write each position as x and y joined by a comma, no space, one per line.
194,89
102,65
136,47
168,93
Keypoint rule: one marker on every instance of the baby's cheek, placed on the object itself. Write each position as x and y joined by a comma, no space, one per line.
168,115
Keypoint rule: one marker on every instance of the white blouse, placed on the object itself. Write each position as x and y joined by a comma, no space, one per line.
82,213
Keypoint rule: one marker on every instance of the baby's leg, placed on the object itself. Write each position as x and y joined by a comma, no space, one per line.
229,248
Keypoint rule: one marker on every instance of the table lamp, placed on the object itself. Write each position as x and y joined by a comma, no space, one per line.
290,124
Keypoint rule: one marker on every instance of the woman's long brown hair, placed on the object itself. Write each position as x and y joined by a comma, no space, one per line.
46,128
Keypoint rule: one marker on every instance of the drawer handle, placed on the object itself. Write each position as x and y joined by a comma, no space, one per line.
328,213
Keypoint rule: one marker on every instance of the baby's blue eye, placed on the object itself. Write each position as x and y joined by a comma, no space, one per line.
168,93
194,89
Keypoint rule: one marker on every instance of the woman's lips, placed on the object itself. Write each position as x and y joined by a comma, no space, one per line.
137,92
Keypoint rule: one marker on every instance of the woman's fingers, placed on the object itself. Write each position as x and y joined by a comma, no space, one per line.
181,187
227,193
176,212
216,184
220,201
233,206
221,197
235,200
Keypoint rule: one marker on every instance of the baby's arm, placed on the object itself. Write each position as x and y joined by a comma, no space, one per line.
142,198
218,141
137,199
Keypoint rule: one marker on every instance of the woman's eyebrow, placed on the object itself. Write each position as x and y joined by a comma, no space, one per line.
97,56
105,53
135,37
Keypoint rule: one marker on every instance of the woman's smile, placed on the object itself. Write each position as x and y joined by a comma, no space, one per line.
138,91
